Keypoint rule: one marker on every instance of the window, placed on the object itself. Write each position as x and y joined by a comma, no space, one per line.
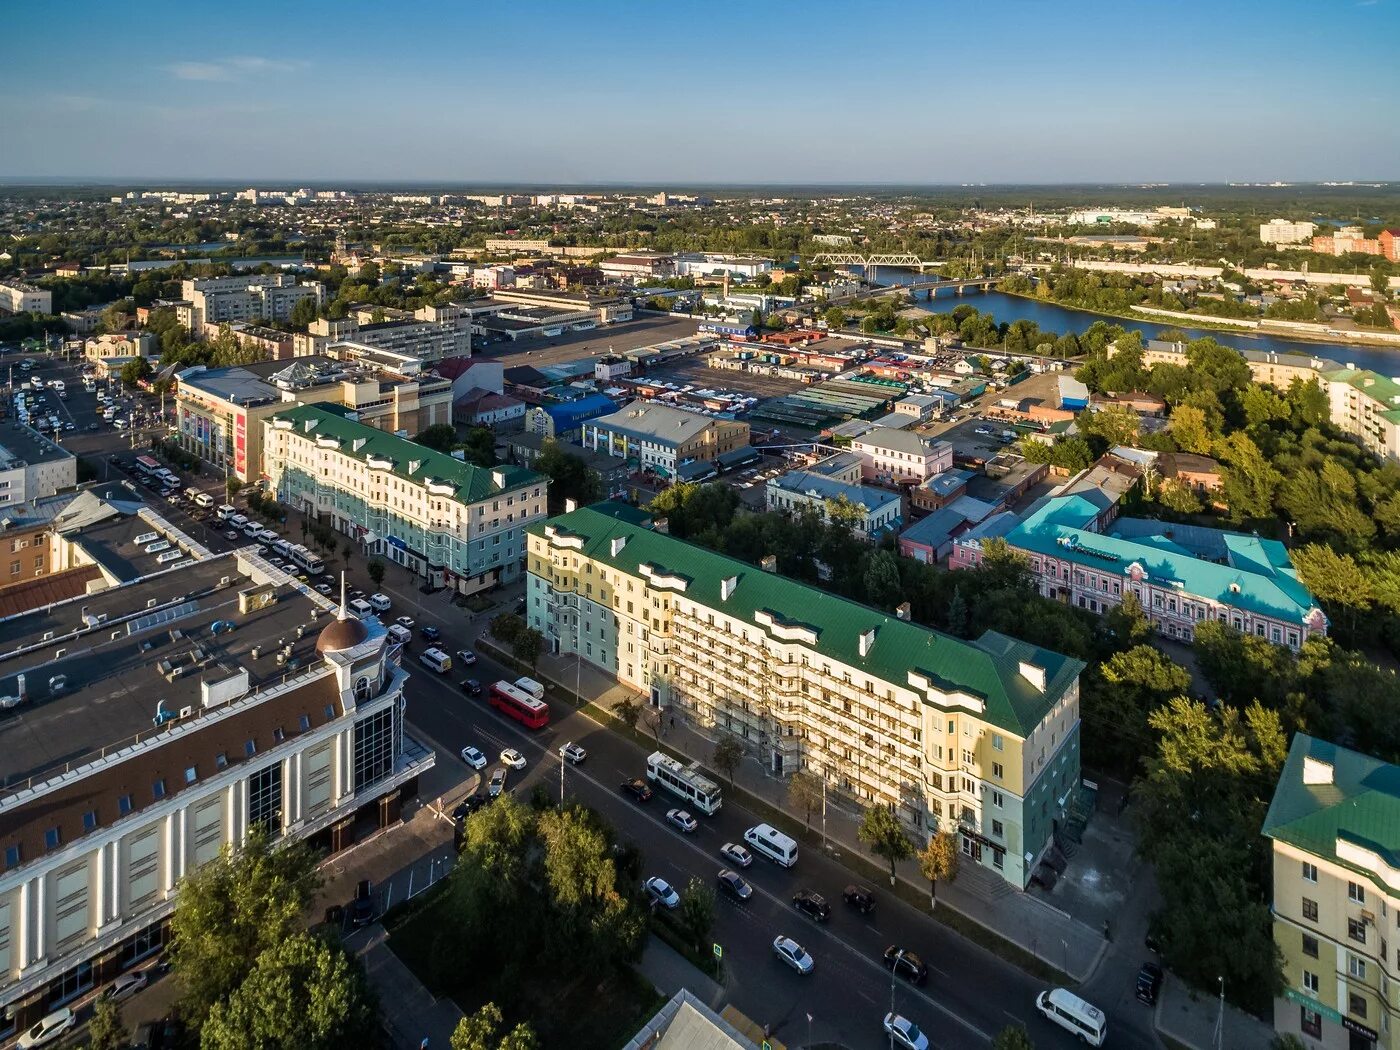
265,799
1310,946
278,736
158,789
1311,1023
1356,893
1310,910
12,856
53,838
124,805
996,770
305,722
997,799
250,748
1356,930
1309,871
376,737
1356,1005
90,820
997,830
191,774
221,760
330,712
1309,982
1356,966
998,742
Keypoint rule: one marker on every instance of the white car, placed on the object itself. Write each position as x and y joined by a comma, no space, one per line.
513,758
736,855
48,1029
406,622
681,820
662,892
125,986
792,953
379,602
905,1032
474,758
572,753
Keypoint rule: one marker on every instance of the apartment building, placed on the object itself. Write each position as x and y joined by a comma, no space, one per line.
639,265
16,297
246,297
1285,231
1336,896
413,339
455,524
32,466
659,438
977,737
894,457
1182,575
871,512
1366,406
205,731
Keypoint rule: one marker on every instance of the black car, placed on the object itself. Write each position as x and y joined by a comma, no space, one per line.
860,898
471,687
904,963
637,789
362,907
429,632
1149,982
812,904
733,885
468,806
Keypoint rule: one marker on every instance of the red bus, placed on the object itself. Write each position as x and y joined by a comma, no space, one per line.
519,705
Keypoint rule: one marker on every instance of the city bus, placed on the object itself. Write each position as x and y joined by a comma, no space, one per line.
519,705
309,562
146,466
686,781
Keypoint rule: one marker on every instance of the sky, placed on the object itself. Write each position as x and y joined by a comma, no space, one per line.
690,93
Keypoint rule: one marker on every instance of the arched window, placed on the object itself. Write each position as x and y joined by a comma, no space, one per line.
363,690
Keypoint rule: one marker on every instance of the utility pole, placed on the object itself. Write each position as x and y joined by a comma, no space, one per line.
1220,1018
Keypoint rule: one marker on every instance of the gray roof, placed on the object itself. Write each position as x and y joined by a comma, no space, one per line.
653,421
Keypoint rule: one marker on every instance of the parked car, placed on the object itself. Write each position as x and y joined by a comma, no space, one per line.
468,806
681,820
125,986
637,788
736,854
905,1032
572,753
812,904
1149,983
362,907
474,758
513,758
498,783
662,892
904,963
406,622
732,884
860,898
792,953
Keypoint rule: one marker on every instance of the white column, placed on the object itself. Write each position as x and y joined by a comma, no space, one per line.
169,866
182,834
24,941
115,911
99,897
40,918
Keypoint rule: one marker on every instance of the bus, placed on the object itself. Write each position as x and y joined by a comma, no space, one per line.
1074,1014
146,466
519,705
311,563
773,844
686,781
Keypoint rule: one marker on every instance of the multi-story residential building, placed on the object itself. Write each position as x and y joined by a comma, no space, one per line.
900,457
1182,575
32,466
871,512
639,265
659,437
415,339
246,297
273,343
1285,231
204,733
455,524
981,738
1366,406
1333,826
16,297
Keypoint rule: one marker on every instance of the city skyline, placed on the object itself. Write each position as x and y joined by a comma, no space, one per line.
632,95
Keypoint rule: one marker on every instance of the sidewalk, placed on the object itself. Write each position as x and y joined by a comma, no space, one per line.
1191,1021
979,894
409,1012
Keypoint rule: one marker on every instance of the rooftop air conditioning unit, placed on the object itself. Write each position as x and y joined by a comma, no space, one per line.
186,711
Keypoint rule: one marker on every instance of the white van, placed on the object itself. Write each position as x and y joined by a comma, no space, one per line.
380,602
400,634
435,660
224,512
237,521
773,844
529,685
203,499
252,528
1071,1012
360,608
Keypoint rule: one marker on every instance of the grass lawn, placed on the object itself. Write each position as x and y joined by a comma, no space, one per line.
590,1011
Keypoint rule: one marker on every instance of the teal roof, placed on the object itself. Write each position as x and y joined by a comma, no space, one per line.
412,461
1257,575
1361,805
1372,384
988,668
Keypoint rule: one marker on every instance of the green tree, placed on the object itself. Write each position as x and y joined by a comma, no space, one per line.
106,1030
479,447
527,646
302,992
1336,580
1380,282
1178,496
303,313
1119,696
1188,429
697,912
835,317
439,436
806,793
627,711
376,572
231,910
1250,481
589,913
570,478
134,371
506,627
881,583
727,755
938,862
881,830
1013,1037
482,1031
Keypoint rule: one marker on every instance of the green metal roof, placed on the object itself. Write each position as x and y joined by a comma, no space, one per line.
988,668
1372,384
1361,804
412,461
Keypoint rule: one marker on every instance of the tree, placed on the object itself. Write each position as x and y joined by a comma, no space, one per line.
1013,1037
938,860
439,436
627,711
106,1030
527,646
697,911
231,910
1336,579
590,914
881,830
1176,495
134,371
727,755
1188,429
835,317
881,581
303,313
806,792
482,1031
479,447
570,478
1127,622
1380,282
376,572
1250,481
303,992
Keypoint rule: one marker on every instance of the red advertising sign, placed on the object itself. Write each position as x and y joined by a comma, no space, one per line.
240,444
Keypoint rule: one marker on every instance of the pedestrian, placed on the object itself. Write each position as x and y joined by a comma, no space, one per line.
673,721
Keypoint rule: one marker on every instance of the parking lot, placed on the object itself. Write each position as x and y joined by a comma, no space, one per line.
574,346
696,372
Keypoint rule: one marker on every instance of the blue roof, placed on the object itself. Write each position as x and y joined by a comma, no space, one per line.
807,483
934,530
1256,576
569,414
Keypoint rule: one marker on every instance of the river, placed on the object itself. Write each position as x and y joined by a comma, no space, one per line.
1059,319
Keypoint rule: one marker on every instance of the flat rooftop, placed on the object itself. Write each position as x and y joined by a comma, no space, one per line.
122,652
19,444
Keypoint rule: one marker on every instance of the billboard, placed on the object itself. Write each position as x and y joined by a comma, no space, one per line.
240,444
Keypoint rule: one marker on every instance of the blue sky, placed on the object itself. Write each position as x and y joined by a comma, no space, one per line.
693,93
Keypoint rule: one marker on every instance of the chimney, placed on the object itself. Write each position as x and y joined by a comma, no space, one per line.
662,525
19,686
618,542
902,610
1315,771
867,639
769,563
571,505
1033,674
726,587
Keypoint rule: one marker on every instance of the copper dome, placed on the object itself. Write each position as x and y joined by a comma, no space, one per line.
342,634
